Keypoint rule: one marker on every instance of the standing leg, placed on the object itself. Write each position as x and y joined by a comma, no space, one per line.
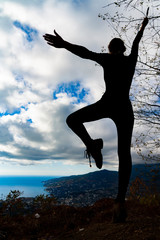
124,129
125,160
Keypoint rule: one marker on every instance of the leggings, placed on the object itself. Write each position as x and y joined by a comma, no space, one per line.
122,114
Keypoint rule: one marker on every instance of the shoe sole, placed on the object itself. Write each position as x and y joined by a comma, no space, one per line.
99,143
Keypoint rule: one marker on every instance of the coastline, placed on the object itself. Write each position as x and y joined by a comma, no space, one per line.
31,186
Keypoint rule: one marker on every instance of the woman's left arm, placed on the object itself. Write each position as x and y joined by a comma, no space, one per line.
138,37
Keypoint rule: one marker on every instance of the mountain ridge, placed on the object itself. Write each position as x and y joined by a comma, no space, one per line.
86,189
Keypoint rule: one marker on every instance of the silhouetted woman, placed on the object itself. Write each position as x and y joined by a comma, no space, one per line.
114,104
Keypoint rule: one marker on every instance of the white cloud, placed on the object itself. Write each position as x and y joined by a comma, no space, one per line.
31,71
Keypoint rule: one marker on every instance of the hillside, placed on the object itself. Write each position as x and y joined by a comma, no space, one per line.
83,190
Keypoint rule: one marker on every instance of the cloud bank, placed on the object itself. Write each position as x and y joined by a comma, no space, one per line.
40,86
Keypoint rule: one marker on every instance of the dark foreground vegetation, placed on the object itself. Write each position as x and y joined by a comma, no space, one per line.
43,219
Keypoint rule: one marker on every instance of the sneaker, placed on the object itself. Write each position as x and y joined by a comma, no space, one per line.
94,150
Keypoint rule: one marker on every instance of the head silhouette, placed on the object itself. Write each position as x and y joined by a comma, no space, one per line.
116,46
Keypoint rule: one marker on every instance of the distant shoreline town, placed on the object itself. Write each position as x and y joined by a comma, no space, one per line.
84,190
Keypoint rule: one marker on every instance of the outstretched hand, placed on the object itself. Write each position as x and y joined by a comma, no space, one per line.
145,21
54,40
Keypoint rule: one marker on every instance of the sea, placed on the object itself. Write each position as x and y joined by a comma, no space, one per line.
30,186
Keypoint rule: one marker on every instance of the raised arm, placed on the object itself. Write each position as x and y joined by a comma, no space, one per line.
58,42
134,50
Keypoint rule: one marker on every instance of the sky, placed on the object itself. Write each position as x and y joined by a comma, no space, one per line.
40,86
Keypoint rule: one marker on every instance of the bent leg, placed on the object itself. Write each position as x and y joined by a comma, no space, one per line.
87,114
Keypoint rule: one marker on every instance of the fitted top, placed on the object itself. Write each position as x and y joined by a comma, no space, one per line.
118,68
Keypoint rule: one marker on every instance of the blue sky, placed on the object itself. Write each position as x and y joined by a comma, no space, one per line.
72,89
30,33
40,86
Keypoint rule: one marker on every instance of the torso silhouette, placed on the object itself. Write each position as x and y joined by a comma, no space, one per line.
118,68
118,74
